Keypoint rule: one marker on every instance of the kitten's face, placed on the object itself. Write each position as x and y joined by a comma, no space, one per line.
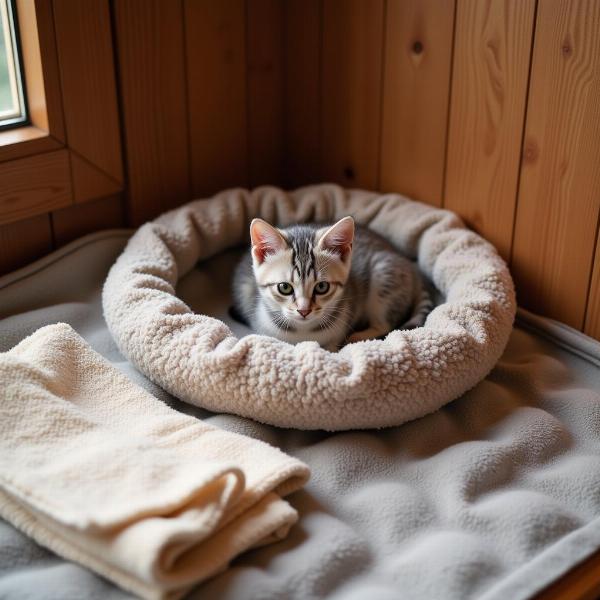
301,272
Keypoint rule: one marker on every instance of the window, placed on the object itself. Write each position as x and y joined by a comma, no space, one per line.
12,98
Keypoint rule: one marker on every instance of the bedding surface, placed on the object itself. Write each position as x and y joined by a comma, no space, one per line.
493,496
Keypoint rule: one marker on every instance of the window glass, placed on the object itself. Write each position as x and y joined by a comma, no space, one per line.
12,101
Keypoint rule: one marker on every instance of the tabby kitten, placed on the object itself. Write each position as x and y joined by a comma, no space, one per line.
328,284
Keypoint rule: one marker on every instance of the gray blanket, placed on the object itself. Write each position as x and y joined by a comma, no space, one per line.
494,496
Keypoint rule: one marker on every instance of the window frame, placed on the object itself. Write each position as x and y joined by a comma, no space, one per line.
40,169
15,43
45,130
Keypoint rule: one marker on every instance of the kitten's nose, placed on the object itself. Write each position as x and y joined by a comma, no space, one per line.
306,312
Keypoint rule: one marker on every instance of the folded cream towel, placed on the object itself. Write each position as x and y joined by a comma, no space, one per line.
99,471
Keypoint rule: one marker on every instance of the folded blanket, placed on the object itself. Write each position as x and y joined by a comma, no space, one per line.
99,471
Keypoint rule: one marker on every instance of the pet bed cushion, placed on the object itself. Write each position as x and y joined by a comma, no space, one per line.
369,384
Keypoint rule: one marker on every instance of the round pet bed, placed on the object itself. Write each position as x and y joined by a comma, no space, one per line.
376,383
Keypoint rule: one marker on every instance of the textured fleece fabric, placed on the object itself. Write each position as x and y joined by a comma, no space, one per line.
368,384
98,470
492,497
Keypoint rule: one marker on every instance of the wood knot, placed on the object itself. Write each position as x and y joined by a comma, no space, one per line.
476,221
530,152
567,49
348,172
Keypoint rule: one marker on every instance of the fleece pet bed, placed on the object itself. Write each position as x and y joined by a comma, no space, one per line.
493,496
369,384
95,468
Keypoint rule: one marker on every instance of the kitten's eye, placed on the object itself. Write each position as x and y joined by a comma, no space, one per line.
322,287
285,288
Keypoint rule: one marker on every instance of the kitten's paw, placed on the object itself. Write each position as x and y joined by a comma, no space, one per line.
413,323
355,337
366,334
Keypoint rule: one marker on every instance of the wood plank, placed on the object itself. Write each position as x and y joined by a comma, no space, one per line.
418,54
351,91
151,55
580,583
489,89
557,213
592,317
84,42
25,141
88,182
80,219
215,34
34,185
40,61
265,91
302,81
23,242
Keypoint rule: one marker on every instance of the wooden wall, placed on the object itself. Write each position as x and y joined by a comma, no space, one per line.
490,108
62,176
202,97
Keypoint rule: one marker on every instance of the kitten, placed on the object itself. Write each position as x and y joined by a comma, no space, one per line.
327,284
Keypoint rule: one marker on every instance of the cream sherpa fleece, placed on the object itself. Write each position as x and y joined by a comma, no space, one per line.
102,473
366,384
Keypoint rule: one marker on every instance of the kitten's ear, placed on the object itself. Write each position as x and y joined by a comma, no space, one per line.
339,237
266,240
